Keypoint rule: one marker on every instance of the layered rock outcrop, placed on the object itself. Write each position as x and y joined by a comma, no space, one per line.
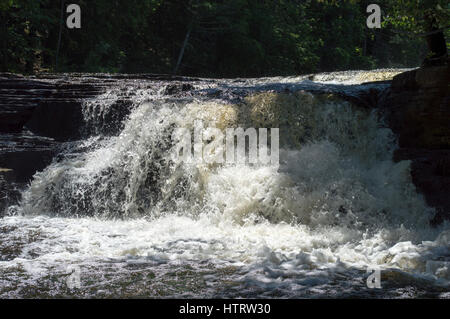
418,105
38,113
35,114
417,108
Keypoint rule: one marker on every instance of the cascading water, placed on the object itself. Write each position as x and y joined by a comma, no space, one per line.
137,223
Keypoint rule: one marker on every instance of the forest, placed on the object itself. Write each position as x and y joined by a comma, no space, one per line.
222,38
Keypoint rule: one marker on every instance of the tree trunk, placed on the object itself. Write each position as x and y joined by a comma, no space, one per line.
60,34
436,43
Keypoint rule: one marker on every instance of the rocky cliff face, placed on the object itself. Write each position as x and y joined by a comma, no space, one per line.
417,108
35,115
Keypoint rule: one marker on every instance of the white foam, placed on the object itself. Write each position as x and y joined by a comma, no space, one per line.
335,202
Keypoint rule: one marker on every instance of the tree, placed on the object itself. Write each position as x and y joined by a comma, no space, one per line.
215,38
24,26
425,18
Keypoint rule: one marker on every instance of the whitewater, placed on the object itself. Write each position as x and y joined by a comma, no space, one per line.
133,222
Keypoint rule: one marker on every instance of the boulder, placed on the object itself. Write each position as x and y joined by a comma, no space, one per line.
417,108
430,172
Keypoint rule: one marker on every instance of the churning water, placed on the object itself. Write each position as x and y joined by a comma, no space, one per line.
134,223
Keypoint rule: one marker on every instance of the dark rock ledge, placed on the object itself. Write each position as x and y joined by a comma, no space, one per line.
417,108
35,115
38,113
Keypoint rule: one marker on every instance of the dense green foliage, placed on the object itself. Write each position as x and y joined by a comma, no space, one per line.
227,37
410,15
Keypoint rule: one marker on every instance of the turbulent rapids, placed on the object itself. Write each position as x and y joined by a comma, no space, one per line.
135,223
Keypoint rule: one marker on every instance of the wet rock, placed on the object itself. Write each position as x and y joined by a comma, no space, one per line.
21,156
177,88
18,99
366,95
430,175
59,113
46,106
25,154
417,107
61,121
110,121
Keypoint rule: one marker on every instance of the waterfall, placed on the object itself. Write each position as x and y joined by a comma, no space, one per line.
335,204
